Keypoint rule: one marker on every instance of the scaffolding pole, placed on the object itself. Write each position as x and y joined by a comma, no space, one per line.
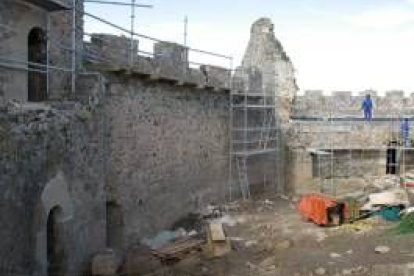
47,54
73,46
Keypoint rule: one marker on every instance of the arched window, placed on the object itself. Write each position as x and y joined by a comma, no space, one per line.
37,55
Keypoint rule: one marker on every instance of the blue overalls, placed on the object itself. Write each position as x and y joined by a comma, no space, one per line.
405,133
367,107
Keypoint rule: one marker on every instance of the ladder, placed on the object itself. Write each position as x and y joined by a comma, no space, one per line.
265,134
241,162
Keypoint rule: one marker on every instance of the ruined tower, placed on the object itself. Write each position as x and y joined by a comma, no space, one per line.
265,53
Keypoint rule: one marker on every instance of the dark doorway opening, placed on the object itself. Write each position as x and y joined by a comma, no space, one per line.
37,56
391,166
55,250
114,225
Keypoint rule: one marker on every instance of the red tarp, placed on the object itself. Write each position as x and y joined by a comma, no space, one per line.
314,207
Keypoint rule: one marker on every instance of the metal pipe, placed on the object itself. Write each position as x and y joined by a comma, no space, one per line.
209,53
34,64
74,9
185,30
131,58
119,3
10,66
48,55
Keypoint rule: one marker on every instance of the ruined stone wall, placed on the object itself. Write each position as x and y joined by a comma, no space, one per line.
17,19
342,104
52,156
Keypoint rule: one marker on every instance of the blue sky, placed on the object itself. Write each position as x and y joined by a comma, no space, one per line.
334,45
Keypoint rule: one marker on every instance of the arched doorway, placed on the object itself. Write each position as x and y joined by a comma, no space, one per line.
37,53
55,249
114,225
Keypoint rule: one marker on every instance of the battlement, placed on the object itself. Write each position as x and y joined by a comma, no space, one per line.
391,94
314,103
169,62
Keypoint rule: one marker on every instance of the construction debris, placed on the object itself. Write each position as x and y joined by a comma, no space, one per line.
394,197
382,249
386,182
178,250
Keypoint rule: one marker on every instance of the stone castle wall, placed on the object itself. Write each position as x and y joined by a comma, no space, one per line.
169,142
168,152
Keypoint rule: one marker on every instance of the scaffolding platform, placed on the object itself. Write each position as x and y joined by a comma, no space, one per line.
254,152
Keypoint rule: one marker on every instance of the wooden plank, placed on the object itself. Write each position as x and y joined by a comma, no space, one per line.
217,232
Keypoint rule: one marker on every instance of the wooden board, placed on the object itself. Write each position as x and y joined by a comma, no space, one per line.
217,232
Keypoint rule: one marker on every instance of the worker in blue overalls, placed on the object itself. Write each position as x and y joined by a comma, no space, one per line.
367,106
405,133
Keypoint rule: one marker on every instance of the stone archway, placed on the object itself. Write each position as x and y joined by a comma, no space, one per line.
55,212
37,55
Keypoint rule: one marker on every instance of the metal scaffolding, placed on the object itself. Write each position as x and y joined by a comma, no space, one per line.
255,132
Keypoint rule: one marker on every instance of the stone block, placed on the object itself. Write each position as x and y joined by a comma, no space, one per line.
167,52
394,94
216,76
342,94
373,93
196,77
144,65
313,94
114,50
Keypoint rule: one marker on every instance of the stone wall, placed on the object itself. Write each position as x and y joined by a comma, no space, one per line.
342,134
52,156
168,151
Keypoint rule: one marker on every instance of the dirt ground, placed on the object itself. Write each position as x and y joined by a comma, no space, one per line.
269,238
